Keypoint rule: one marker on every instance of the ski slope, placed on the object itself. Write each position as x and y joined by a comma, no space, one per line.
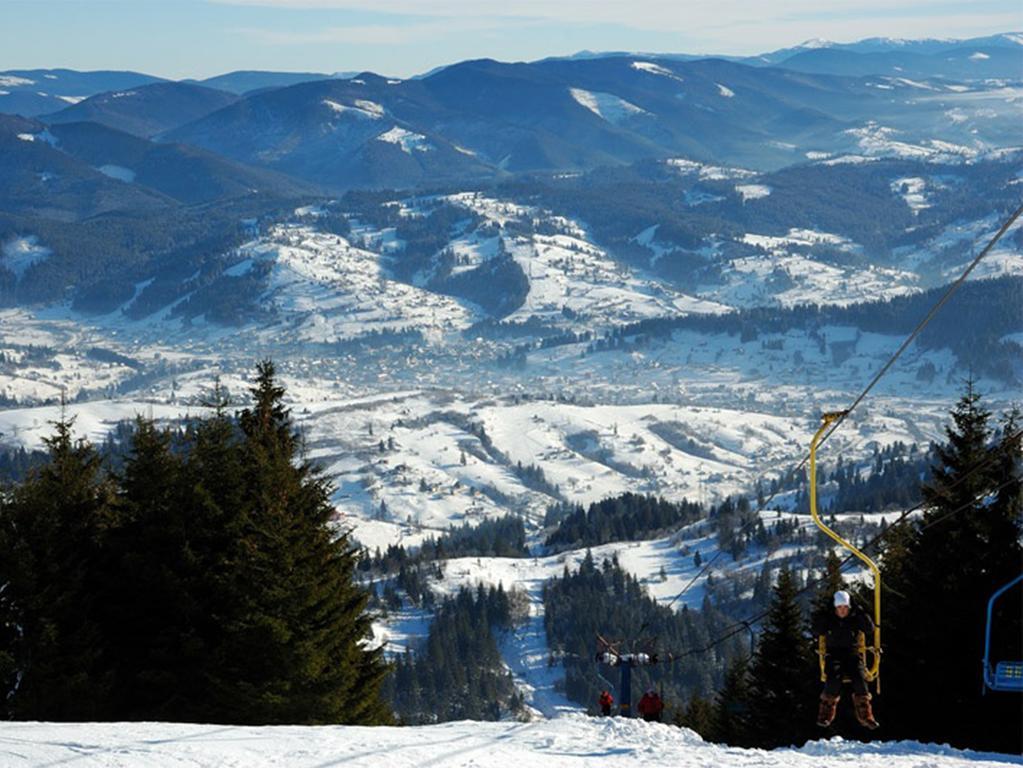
573,740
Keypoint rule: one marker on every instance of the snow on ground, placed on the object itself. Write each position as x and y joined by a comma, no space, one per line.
655,69
10,81
688,167
406,140
849,160
402,630
28,426
612,108
361,108
409,468
752,191
326,289
572,740
879,141
913,191
21,253
789,279
566,271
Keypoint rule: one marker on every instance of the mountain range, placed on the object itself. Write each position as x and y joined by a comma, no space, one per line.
751,143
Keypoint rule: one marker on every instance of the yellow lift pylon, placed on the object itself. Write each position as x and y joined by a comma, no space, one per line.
873,670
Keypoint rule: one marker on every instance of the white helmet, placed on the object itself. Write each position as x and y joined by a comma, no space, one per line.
842,598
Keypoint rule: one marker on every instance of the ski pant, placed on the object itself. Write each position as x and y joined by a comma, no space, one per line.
842,664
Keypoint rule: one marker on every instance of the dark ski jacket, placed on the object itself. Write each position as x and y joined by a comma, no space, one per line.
841,633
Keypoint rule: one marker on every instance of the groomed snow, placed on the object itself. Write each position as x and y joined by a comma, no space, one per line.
572,740
606,105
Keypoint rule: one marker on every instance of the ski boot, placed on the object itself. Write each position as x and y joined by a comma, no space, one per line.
828,708
864,712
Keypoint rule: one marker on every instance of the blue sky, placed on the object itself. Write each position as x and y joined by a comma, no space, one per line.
200,38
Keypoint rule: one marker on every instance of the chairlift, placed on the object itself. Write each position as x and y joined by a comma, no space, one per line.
873,669
1004,675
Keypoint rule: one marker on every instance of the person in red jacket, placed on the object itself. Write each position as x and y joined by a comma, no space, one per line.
651,706
606,701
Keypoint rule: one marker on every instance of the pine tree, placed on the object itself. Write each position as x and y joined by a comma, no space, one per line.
293,648
698,716
940,573
782,680
732,706
153,608
54,528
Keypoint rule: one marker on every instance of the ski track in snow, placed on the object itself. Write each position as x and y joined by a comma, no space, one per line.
564,742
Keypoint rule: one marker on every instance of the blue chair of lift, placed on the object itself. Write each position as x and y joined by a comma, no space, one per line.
1004,675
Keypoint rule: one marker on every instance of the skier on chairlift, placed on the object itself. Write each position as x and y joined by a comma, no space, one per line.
841,629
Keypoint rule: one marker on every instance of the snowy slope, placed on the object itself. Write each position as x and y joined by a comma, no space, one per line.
573,740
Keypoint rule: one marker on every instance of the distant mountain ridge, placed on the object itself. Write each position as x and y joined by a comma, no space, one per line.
31,92
74,171
486,119
246,81
148,110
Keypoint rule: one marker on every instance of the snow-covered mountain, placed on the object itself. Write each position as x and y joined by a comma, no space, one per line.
31,92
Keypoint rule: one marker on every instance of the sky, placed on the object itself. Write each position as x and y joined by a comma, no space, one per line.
201,38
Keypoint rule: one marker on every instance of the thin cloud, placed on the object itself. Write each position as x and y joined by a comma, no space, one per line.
376,34
652,15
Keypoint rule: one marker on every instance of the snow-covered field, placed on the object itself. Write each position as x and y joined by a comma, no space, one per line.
573,740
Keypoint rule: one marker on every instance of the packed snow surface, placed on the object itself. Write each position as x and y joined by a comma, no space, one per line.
573,740
608,106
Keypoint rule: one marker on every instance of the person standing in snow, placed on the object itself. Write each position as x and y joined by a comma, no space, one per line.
606,701
651,706
841,629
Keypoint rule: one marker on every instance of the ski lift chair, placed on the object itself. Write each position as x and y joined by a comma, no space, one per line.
873,668
1004,675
